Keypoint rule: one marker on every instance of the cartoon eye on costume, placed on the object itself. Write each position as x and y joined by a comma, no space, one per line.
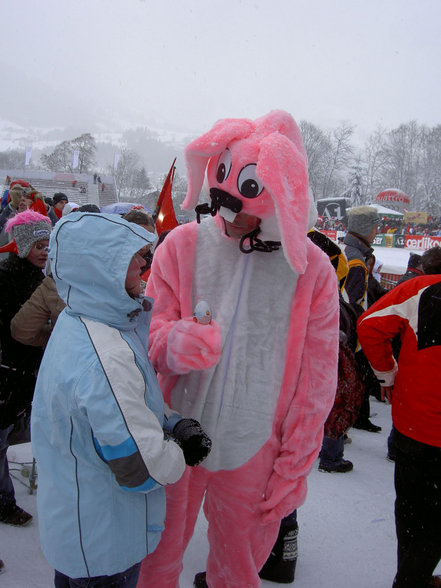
247,182
223,166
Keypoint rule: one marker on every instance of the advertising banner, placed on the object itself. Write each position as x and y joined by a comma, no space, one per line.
332,208
399,241
388,240
331,234
379,240
421,242
28,155
419,218
76,155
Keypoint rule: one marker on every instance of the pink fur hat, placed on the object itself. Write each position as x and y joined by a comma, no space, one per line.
27,228
263,163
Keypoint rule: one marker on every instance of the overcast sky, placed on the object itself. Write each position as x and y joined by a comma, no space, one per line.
190,62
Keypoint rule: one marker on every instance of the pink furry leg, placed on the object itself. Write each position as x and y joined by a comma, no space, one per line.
239,543
164,566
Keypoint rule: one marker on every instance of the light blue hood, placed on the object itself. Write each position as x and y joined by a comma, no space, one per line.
90,254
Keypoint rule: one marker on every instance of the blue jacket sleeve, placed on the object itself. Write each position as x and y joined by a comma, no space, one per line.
127,433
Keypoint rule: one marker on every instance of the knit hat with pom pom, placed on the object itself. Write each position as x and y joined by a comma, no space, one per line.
27,228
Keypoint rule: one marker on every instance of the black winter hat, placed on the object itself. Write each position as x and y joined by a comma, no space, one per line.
88,208
431,260
60,196
414,261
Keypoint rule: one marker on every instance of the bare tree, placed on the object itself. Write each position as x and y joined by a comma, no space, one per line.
339,158
61,158
12,159
428,197
357,190
317,147
376,158
128,162
86,147
132,181
141,185
404,153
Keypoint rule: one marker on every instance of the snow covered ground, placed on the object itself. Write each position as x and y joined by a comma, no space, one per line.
394,259
346,537
347,534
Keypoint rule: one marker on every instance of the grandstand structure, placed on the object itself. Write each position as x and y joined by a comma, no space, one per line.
79,188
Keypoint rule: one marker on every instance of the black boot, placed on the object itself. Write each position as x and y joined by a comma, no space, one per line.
14,515
341,467
200,580
366,425
281,564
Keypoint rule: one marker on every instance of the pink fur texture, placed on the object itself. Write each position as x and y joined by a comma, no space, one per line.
266,396
27,217
278,471
192,346
272,145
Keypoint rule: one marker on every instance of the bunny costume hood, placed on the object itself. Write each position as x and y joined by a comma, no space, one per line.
259,168
261,377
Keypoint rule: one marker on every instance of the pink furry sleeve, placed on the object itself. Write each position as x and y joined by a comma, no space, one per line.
178,345
170,285
191,346
309,390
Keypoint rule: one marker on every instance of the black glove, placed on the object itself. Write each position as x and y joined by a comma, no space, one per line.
193,441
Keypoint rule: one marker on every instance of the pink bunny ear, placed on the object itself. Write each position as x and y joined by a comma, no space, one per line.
282,167
199,151
283,123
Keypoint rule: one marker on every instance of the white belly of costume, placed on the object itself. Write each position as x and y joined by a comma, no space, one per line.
250,296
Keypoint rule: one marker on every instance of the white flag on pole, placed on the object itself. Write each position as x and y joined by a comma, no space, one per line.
28,155
116,160
76,155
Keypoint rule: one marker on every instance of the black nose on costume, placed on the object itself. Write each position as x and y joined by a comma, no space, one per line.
221,198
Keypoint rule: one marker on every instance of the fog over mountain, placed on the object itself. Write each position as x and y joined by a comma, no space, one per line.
91,65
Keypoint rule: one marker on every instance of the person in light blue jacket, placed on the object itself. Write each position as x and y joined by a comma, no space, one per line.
105,443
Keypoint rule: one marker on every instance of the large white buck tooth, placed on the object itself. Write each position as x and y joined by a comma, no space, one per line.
227,214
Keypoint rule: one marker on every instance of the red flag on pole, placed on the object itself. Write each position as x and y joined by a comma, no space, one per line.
10,247
164,214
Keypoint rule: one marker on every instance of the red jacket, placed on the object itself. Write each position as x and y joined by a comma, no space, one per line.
412,310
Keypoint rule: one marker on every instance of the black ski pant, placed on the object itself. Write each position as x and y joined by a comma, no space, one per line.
367,376
417,511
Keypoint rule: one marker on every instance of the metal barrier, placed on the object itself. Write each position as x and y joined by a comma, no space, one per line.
25,472
388,281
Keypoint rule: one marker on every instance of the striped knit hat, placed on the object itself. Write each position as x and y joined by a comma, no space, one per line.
27,228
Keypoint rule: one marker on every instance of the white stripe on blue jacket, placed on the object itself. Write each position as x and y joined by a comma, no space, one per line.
98,415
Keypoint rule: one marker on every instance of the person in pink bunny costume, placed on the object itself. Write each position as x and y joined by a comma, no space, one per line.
261,376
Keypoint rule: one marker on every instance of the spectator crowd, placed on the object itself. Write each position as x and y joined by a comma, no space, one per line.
211,367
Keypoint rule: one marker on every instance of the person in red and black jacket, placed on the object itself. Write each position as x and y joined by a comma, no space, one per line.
412,310
414,268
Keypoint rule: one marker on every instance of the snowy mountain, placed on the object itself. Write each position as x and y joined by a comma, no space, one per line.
166,141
